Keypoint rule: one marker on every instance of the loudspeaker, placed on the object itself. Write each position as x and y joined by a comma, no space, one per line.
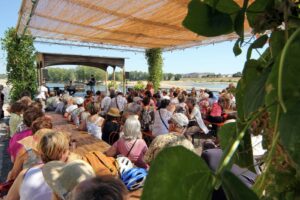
126,75
45,74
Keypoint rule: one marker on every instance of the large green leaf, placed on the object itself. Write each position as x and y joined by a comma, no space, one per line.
290,121
258,43
239,23
178,173
271,97
225,6
227,133
291,69
255,92
289,131
256,9
206,20
277,41
251,88
236,48
235,189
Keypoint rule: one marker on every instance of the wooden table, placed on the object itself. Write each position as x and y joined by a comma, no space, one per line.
84,142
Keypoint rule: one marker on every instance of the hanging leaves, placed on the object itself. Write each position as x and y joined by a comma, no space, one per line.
155,63
206,20
21,70
258,43
235,189
290,121
177,173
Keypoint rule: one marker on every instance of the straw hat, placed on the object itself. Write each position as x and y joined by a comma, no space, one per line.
114,112
180,119
62,177
79,100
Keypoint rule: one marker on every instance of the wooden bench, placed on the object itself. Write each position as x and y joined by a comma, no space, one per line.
84,142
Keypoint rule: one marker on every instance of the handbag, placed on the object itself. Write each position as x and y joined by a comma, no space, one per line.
4,188
162,120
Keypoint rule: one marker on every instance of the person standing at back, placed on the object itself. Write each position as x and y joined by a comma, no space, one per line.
43,94
92,83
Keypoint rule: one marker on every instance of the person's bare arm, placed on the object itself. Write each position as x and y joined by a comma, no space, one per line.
13,193
171,108
18,165
111,152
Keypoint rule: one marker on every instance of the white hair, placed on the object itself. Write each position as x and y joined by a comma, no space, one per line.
132,128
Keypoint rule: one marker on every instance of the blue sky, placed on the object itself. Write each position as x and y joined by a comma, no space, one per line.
217,58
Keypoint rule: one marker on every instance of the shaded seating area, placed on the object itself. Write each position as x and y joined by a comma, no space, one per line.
53,59
84,142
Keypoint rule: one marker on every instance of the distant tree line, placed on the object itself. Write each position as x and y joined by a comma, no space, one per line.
80,73
3,76
238,74
83,73
140,76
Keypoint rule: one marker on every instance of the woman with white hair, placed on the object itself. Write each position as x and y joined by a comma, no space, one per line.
131,143
177,128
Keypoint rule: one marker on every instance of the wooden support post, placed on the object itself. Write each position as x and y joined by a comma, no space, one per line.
114,73
38,74
124,79
106,87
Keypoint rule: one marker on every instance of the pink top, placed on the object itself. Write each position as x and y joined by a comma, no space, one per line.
137,152
216,110
14,146
204,104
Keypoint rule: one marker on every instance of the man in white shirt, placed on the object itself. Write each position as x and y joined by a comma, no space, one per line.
43,94
174,100
118,102
105,104
162,117
196,115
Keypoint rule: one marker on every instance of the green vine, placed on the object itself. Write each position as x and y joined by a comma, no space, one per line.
155,63
268,101
21,69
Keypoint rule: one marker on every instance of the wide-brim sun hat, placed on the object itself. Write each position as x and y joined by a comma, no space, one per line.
79,100
180,119
63,177
114,112
137,99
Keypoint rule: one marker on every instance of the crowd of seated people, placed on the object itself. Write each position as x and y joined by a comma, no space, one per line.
41,153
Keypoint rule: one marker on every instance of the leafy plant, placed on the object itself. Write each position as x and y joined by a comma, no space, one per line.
139,86
155,62
20,67
268,97
113,84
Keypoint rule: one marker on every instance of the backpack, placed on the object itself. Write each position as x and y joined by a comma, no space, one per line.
147,119
101,164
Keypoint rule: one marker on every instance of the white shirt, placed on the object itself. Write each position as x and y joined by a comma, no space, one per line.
70,108
42,92
118,102
175,101
105,103
34,186
197,115
160,128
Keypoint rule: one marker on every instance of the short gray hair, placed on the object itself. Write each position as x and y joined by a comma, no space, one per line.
132,128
